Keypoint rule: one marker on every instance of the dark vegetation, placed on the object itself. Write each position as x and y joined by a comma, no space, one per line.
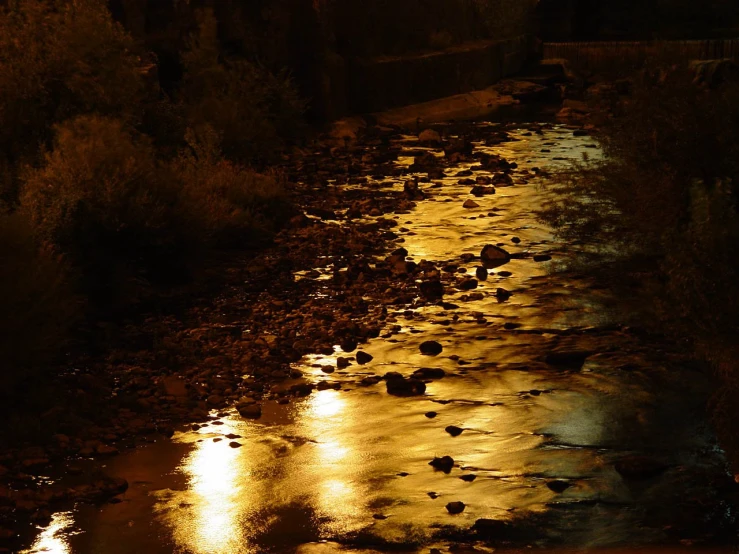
112,190
662,205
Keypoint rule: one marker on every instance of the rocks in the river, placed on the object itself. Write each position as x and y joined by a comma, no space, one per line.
639,468
430,348
481,273
542,257
460,146
370,380
469,203
342,362
479,190
348,344
252,411
234,444
468,477
412,190
432,290
558,486
455,507
467,284
493,256
429,373
445,463
398,385
502,294
567,359
431,415
429,137
515,240
362,357
453,430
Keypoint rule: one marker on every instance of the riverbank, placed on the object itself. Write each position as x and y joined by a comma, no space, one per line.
521,368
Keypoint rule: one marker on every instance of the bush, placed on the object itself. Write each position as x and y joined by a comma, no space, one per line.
256,114
37,307
101,199
666,193
230,205
59,59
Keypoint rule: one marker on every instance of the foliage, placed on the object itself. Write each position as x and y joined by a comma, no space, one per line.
59,59
101,199
230,205
37,307
667,191
256,113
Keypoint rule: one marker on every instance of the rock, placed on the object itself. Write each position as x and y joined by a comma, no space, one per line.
469,477
445,463
467,284
479,190
639,468
453,430
234,444
455,507
253,411
429,373
342,362
400,386
431,290
558,486
431,415
430,348
502,294
515,240
470,204
370,380
363,358
481,273
348,344
542,257
174,386
493,256
430,137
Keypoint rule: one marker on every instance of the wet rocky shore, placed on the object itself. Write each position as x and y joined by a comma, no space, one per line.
405,368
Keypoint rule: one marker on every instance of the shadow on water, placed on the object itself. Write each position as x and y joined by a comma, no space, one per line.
541,438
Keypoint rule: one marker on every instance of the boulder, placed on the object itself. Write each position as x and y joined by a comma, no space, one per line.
493,256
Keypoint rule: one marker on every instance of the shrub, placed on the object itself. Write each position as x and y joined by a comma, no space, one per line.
666,193
230,205
256,114
37,307
101,199
59,59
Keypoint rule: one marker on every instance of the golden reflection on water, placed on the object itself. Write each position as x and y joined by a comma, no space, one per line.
54,538
217,498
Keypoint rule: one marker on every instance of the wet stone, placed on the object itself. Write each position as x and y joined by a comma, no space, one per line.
542,257
429,373
342,362
470,204
363,358
481,273
558,486
405,387
455,507
453,430
469,477
567,359
234,444
445,463
430,348
493,256
431,415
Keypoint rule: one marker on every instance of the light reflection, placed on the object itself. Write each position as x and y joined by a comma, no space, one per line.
217,496
54,538
326,403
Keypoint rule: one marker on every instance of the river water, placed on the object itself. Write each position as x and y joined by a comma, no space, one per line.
348,470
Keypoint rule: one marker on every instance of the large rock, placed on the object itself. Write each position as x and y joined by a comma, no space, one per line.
400,386
493,256
430,348
429,137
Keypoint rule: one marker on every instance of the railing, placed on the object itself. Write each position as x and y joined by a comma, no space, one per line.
615,55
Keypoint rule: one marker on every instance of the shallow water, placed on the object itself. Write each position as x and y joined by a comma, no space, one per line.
350,467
